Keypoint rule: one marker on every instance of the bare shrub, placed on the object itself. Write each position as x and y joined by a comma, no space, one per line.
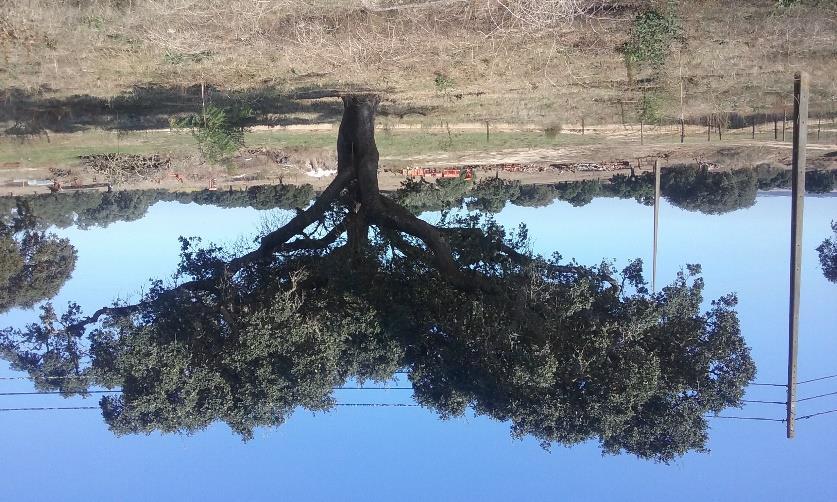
545,13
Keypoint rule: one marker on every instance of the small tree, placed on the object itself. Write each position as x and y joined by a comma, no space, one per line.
651,108
828,255
651,36
218,131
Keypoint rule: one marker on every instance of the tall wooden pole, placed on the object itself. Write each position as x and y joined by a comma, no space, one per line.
656,226
800,135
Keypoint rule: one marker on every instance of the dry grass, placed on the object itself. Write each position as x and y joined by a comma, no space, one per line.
543,61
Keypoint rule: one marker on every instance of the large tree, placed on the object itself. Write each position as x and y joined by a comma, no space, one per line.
356,286
33,264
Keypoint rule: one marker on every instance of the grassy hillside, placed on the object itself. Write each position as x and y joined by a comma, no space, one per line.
550,61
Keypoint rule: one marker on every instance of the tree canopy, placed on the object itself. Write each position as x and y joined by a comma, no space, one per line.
828,255
356,286
695,188
33,264
87,209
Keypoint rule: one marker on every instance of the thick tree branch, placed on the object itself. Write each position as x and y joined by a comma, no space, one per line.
524,260
389,214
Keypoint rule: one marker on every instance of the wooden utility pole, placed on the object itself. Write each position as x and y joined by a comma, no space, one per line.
709,128
800,135
754,128
487,134
641,135
656,226
682,130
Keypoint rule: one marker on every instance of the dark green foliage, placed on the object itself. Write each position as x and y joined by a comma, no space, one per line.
563,352
118,206
652,34
257,197
535,196
695,188
579,193
444,83
819,181
491,194
650,109
599,366
218,131
639,188
99,209
828,255
420,196
770,177
253,372
33,264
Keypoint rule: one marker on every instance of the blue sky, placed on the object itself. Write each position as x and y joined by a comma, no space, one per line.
408,453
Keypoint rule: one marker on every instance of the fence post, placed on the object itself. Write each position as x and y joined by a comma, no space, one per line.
784,119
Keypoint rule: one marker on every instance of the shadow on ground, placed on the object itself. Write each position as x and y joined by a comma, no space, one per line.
27,113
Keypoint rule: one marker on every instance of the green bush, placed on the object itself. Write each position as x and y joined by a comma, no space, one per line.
218,131
443,83
652,34
651,108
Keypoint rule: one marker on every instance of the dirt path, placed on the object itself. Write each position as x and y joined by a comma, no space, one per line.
730,154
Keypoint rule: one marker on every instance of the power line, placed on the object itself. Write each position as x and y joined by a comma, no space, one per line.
402,405
52,408
413,405
761,419
815,397
798,383
816,414
43,393
37,393
380,405
369,405
76,376
818,379
759,401
764,384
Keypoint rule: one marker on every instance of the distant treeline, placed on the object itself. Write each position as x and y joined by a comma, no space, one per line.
690,187
99,209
